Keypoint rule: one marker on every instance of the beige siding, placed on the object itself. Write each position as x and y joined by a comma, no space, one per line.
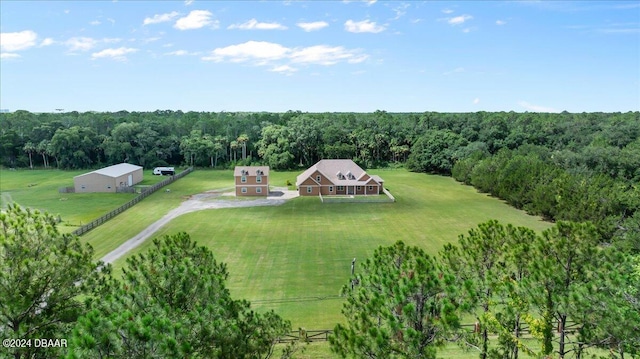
96,182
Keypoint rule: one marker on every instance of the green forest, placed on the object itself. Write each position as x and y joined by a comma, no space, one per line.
574,286
561,166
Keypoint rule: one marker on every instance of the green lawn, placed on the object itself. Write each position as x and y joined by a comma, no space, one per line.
294,258
39,189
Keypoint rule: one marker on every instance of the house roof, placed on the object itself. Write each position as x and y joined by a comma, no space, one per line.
115,170
332,168
251,170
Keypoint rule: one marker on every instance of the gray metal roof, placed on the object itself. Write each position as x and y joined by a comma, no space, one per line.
114,171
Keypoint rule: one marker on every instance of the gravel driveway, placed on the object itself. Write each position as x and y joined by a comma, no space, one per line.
199,202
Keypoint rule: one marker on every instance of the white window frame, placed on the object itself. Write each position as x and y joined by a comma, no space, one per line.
258,189
258,179
243,179
340,188
309,189
243,189
358,188
370,188
318,178
330,188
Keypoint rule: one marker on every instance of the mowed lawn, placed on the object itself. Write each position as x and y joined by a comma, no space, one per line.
295,258
38,189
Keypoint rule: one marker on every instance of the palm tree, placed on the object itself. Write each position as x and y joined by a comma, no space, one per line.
43,148
242,140
30,149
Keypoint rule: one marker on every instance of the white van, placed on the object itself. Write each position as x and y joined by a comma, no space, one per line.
164,171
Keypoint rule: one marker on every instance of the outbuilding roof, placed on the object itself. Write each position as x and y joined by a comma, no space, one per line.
114,171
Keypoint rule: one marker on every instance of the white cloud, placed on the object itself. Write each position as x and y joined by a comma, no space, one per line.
86,43
254,24
181,53
256,50
325,55
188,2
95,22
284,69
16,41
151,39
195,20
312,26
500,22
459,19
8,55
265,53
447,11
158,18
46,42
536,108
476,101
363,26
400,10
370,2
115,54
178,53
81,43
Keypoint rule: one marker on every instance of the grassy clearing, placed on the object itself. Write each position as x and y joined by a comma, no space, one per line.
39,189
294,258
128,224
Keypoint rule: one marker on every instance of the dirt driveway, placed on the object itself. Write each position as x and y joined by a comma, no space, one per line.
199,202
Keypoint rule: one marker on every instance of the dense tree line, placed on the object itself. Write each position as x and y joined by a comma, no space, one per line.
598,142
564,288
565,166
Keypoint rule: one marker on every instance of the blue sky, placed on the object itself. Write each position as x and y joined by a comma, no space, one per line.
320,56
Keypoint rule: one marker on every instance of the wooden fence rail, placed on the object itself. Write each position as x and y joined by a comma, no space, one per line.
323,334
145,192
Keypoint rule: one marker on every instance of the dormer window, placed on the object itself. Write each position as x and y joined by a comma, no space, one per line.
259,172
245,172
340,175
350,175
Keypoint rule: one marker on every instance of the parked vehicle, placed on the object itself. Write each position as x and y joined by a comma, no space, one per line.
164,171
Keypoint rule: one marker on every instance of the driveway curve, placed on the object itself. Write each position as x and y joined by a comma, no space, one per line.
198,202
